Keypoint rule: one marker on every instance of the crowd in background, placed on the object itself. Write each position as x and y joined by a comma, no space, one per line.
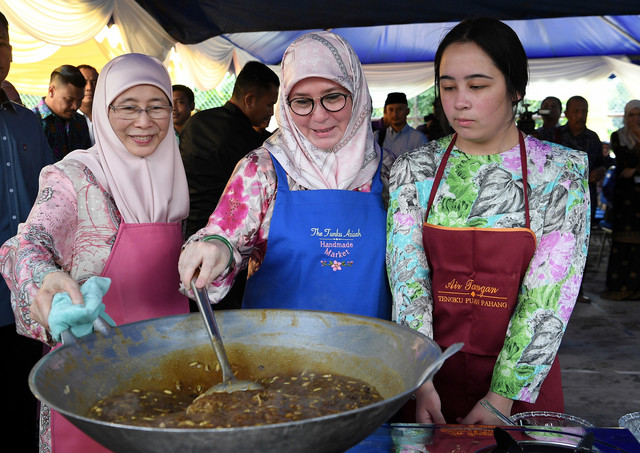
211,176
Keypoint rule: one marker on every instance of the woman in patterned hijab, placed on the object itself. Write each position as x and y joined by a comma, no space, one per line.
353,160
313,192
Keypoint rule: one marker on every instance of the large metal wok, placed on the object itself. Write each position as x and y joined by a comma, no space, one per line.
392,358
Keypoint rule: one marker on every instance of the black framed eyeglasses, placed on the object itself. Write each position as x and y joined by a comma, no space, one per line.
332,102
132,112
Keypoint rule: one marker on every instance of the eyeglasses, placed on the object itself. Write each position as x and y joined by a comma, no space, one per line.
332,102
131,112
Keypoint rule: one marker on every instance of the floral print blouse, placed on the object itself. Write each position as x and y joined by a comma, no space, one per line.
72,226
244,212
486,192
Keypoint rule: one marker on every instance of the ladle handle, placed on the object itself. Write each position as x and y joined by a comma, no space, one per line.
204,305
433,368
491,408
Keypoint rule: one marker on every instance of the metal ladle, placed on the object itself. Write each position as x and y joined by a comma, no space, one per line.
229,382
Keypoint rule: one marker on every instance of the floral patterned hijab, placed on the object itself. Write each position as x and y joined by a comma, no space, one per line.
150,189
354,160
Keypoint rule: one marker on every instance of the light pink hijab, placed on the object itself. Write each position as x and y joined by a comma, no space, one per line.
354,160
149,189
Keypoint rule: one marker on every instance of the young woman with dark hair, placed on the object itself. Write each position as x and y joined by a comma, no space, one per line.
487,235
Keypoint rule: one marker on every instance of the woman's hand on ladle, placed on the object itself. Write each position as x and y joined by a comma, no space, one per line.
209,258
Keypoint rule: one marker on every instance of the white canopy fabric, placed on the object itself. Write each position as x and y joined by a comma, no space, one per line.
48,33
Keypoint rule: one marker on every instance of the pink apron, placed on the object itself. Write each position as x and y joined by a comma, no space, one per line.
143,268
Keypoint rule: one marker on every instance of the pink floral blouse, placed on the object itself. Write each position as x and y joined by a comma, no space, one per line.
72,227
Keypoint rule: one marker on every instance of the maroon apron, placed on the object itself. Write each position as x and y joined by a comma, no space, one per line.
476,275
143,268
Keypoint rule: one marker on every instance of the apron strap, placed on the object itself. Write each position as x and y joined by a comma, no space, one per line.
443,164
438,178
376,183
283,182
525,172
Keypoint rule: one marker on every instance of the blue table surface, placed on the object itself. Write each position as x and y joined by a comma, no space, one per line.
470,439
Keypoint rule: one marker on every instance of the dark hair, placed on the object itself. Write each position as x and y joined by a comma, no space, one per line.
4,23
576,98
186,90
498,41
86,66
68,74
554,99
255,76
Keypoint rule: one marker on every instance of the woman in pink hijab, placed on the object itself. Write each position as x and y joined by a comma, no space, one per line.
305,212
114,210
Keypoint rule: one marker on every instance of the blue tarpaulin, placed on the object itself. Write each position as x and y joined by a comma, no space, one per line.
404,31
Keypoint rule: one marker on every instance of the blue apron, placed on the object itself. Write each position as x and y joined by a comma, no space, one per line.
326,251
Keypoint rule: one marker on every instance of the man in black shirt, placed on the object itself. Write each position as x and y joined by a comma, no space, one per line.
184,102
214,140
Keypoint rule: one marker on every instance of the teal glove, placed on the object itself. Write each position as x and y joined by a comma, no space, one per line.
79,318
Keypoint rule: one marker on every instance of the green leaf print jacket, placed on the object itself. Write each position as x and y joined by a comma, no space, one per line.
483,192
